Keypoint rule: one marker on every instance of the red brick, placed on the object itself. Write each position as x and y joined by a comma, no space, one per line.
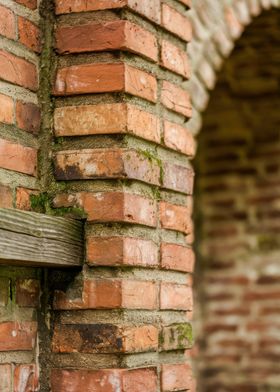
176,377
23,198
175,217
174,59
112,207
6,377
106,163
176,23
177,257
149,9
29,34
176,99
106,119
115,35
178,178
6,109
18,71
18,158
104,338
7,23
26,378
6,197
28,117
179,138
176,296
109,380
111,294
4,291
32,4
17,336
27,292
113,251
102,78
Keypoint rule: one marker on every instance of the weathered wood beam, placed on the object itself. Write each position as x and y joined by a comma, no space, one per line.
32,239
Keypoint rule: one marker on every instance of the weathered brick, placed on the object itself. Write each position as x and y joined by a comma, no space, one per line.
17,157
29,34
6,197
176,337
23,201
6,377
115,35
113,251
109,380
104,338
7,23
176,23
177,257
111,294
106,119
6,109
175,217
174,59
18,71
28,117
111,207
32,4
106,163
26,378
176,377
16,335
27,292
178,178
176,99
101,78
175,296
179,138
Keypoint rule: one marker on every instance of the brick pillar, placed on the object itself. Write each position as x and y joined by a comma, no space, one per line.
122,152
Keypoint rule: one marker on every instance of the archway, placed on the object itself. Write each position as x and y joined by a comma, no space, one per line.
237,213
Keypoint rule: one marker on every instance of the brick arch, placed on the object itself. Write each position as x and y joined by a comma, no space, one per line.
215,30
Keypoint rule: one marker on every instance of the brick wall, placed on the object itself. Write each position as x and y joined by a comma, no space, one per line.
237,171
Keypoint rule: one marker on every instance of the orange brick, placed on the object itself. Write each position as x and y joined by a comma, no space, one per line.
149,9
6,377
176,99
27,292
176,377
7,23
102,78
176,23
176,296
16,335
26,378
138,380
174,59
6,197
111,294
29,34
18,71
177,257
178,178
23,198
28,117
104,338
106,119
32,4
113,251
6,109
179,138
112,207
175,217
107,164
115,35
17,157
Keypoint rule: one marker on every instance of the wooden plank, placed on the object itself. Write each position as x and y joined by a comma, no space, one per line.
28,238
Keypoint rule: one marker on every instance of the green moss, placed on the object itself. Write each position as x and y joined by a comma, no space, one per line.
184,332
